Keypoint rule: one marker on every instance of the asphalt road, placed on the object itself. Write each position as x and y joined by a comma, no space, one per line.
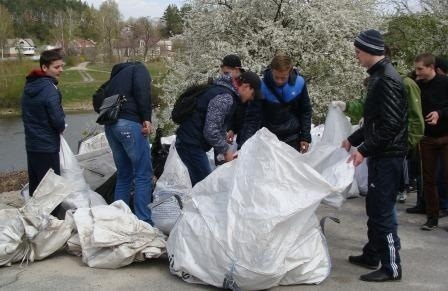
424,256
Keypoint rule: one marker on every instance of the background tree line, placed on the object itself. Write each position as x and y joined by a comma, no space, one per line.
62,21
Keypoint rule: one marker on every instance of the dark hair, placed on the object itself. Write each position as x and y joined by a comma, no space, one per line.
442,64
281,62
427,59
49,56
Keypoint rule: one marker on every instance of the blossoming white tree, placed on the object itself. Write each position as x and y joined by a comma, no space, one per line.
318,34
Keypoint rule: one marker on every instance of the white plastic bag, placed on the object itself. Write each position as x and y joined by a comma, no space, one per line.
82,195
337,126
251,224
362,176
111,236
170,191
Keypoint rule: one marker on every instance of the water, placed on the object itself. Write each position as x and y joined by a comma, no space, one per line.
12,138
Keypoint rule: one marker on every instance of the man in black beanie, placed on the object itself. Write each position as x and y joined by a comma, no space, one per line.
383,139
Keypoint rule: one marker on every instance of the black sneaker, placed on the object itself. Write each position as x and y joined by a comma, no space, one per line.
380,276
363,261
430,224
415,210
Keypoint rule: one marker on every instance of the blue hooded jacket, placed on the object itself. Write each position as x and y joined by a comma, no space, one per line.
287,109
42,113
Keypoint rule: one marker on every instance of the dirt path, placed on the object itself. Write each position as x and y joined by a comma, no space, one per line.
83,71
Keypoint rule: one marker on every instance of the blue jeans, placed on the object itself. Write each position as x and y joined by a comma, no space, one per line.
384,243
196,161
132,157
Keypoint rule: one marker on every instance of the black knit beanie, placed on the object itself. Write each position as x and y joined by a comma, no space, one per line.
370,41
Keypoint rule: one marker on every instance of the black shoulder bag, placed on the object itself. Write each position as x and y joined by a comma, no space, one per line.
111,106
110,109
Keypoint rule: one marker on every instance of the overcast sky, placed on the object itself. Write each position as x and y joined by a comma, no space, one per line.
138,8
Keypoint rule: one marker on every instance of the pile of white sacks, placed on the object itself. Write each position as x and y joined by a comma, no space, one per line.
106,236
250,224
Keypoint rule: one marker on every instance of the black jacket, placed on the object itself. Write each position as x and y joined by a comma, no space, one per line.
384,133
133,81
435,98
42,114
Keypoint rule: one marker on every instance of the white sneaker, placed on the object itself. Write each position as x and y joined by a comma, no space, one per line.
401,197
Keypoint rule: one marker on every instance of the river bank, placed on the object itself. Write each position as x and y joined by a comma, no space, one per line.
70,108
13,180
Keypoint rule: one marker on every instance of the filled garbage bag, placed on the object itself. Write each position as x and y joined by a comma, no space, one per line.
170,191
251,223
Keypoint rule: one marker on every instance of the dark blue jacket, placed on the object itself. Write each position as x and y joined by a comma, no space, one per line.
195,131
42,113
287,109
133,81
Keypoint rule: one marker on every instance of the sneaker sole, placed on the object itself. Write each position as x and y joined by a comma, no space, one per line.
388,280
370,267
428,228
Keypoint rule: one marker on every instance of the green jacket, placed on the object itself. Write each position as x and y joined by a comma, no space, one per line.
416,124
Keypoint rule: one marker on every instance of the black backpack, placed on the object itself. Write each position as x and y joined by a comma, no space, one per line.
186,103
99,96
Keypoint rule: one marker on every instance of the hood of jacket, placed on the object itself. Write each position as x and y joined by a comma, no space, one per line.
226,80
118,67
36,81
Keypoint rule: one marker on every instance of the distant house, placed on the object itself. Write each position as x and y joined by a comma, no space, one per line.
163,47
23,45
77,46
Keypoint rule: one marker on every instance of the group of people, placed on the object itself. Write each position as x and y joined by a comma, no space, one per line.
399,114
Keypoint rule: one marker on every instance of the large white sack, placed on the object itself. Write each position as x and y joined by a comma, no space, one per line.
337,126
13,244
82,196
251,222
111,236
98,166
93,143
170,191
31,232
45,233
323,152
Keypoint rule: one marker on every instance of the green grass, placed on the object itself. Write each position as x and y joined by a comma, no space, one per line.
70,77
75,92
12,80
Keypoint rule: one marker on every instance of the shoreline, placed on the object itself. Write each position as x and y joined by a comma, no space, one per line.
68,109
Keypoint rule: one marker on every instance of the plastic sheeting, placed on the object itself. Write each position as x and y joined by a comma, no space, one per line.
251,224
81,195
170,191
